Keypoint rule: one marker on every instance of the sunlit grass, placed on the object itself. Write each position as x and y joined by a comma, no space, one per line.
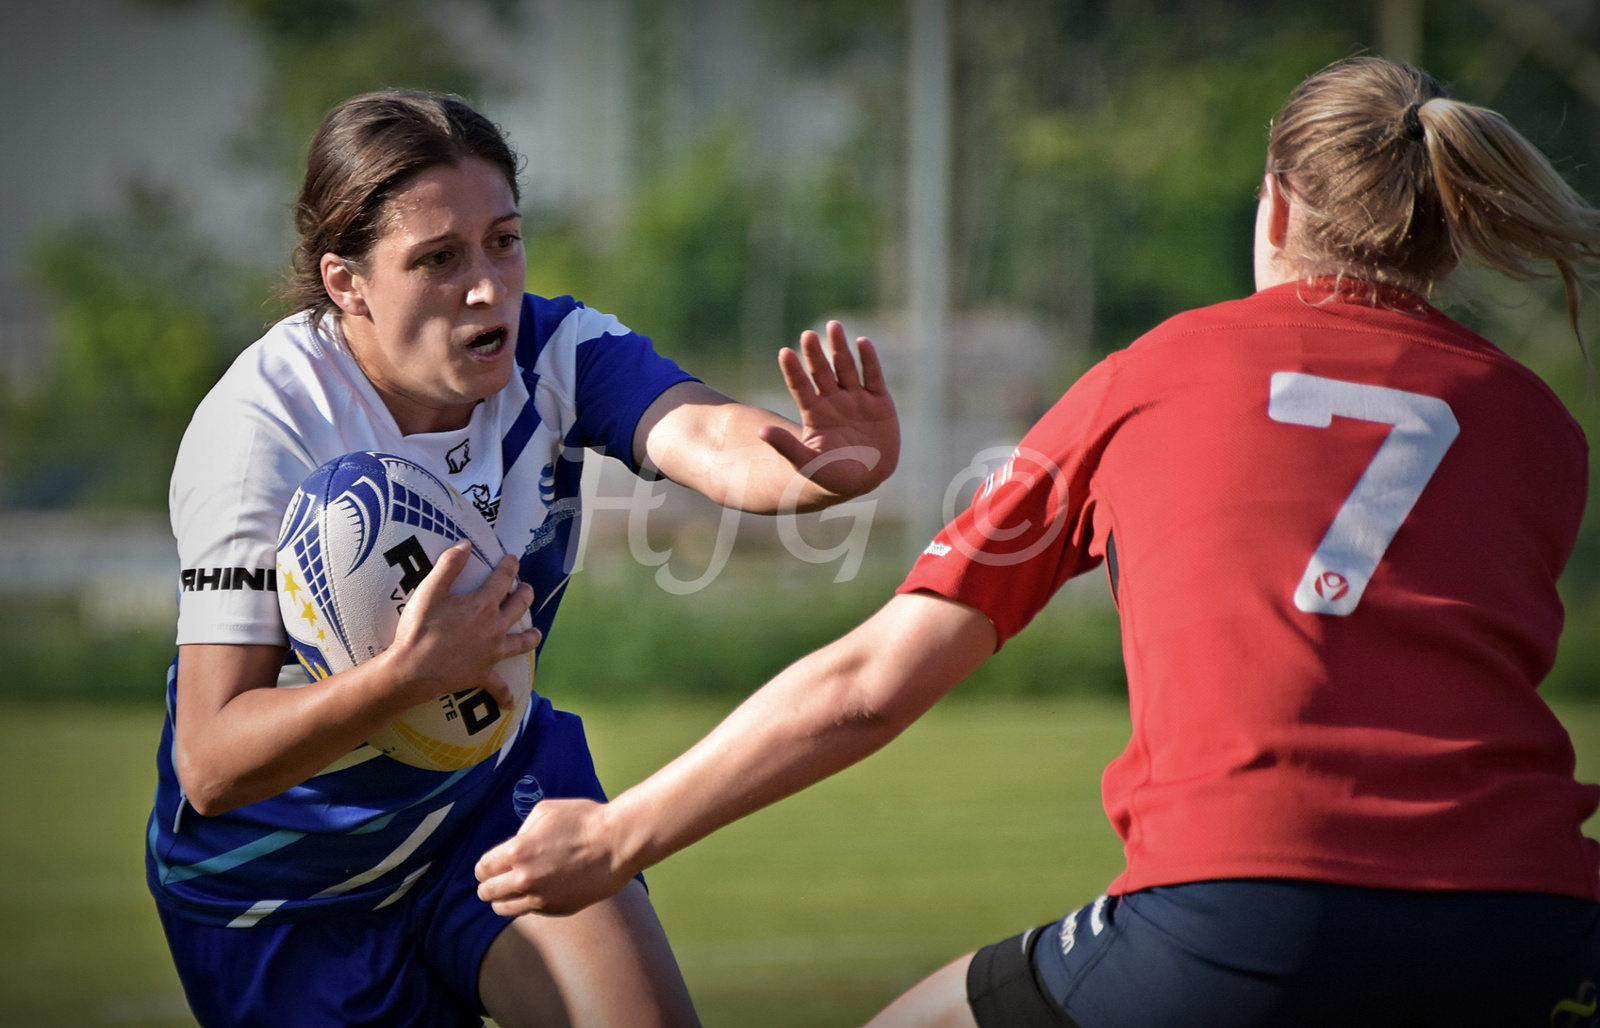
983,819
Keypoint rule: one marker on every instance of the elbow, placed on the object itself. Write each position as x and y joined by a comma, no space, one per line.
208,792
206,801
868,713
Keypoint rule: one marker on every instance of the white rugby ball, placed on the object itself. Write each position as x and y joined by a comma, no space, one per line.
358,537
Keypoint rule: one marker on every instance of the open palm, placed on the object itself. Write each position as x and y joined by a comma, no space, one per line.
849,438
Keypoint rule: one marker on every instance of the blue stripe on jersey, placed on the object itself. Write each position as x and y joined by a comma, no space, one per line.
543,316
537,323
521,431
171,874
229,860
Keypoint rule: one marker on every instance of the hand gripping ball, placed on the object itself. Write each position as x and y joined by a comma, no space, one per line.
358,537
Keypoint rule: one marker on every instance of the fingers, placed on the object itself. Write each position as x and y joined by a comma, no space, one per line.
844,365
553,864
503,579
817,362
516,603
519,644
496,686
445,571
871,370
795,377
499,883
821,370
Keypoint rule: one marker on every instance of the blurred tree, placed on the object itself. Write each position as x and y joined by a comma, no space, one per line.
147,316
1104,160
704,240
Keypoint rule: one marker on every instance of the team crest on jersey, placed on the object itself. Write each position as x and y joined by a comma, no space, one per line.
1332,586
459,457
524,795
483,502
561,511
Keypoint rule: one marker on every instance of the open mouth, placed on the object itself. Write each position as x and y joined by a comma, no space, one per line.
487,344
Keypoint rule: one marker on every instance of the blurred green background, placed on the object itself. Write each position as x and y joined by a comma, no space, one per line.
1103,161
720,174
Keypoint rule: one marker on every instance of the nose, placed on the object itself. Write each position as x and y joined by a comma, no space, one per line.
484,288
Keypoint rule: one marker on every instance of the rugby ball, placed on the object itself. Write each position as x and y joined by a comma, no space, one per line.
358,537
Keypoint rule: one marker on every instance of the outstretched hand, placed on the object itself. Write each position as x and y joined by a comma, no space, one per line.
557,863
849,439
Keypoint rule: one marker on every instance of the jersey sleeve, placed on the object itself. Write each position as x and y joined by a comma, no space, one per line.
233,477
1030,525
616,375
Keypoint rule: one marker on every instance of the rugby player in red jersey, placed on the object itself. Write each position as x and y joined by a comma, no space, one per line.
1333,520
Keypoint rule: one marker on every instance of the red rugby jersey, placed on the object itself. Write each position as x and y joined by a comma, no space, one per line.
1335,529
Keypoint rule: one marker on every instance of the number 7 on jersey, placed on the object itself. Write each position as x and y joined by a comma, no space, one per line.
1423,429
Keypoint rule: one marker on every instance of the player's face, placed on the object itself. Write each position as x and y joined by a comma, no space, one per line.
434,321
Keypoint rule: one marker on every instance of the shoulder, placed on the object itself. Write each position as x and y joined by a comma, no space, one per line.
1257,311
553,327
292,362
275,397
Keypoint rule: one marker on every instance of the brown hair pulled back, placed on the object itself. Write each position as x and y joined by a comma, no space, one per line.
1398,183
361,156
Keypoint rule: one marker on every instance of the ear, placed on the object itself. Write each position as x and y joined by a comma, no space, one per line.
1277,211
343,285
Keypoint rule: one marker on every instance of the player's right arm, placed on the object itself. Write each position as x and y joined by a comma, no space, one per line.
822,714
238,739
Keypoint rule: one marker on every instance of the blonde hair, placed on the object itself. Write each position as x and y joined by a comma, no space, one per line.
1398,183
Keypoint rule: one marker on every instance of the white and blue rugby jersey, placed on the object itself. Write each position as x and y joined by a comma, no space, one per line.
358,834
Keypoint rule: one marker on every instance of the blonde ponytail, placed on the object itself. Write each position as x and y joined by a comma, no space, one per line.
1507,208
1398,183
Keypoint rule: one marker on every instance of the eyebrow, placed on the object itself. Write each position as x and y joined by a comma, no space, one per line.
441,237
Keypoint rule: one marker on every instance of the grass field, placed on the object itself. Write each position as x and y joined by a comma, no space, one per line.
982,820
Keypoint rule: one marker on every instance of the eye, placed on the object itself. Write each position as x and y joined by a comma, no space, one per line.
436,259
507,240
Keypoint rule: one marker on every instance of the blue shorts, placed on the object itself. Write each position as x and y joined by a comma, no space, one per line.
413,964
1264,953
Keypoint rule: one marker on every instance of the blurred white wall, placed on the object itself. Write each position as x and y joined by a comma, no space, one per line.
100,92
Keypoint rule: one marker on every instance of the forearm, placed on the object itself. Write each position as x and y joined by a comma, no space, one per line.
822,714
238,739
261,741
751,459
794,732
738,469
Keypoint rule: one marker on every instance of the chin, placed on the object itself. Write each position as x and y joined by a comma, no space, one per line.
481,388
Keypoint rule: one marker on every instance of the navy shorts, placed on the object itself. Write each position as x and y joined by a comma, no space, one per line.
1265,953
412,964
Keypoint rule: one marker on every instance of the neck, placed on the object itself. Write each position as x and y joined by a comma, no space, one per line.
413,415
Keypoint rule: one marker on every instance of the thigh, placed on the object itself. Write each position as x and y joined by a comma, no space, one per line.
457,927
944,999
604,966
327,973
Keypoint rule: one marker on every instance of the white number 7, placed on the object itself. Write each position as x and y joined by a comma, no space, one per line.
1424,428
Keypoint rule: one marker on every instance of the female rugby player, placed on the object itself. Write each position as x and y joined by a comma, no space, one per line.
302,878
1332,520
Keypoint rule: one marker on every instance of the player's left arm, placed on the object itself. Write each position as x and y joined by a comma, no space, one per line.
847,441
824,713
